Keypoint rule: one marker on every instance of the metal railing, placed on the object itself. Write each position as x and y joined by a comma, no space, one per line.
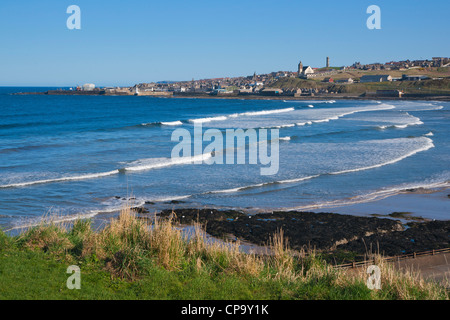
394,258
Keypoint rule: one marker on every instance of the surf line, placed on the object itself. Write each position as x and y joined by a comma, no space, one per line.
258,147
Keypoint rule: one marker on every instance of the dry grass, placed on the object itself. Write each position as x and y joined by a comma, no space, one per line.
282,258
226,256
398,284
49,238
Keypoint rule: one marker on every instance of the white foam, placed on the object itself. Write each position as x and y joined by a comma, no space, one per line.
261,113
204,120
417,106
294,116
156,163
309,101
427,146
334,117
170,198
343,114
62,179
172,123
233,190
289,125
243,114
56,219
401,126
299,179
303,123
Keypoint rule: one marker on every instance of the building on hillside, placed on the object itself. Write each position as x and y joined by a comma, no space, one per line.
303,72
407,77
345,80
271,92
376,78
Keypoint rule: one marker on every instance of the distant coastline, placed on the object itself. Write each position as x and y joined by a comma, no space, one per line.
247,96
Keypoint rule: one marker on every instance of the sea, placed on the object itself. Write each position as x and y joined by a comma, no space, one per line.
68,157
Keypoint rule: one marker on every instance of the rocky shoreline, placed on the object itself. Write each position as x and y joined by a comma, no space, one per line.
329,233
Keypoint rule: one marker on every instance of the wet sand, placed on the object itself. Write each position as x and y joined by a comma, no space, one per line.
420,203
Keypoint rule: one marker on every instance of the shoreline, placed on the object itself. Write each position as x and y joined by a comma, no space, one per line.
341,235
413,97
416,204
318,97
381,207
345,237
433,194
387,224
136,258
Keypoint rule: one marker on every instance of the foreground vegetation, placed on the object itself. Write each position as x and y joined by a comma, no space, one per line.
134,258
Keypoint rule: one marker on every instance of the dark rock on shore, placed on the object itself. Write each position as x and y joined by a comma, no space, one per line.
327,232
174,202
419,236
188,216
140,210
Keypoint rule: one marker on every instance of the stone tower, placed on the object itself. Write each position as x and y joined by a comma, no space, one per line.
300,69
328,62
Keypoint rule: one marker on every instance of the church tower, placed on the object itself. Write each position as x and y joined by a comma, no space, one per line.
300,69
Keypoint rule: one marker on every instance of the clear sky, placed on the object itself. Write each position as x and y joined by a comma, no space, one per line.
128,42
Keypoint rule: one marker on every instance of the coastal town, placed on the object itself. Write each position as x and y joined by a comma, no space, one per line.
413,78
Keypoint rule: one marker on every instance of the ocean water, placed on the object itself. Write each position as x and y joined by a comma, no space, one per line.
73,156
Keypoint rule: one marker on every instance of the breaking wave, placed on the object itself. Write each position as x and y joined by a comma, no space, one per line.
310,101
203,120
261,113
172,123
62,179
243,114
155,163
428,145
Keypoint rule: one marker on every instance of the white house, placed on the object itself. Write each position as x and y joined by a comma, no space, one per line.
88,87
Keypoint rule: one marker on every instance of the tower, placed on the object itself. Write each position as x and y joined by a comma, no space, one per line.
300,69
328,62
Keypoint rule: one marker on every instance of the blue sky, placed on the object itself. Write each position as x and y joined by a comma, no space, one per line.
128,42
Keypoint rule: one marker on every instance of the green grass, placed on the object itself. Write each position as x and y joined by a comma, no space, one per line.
36,275
132,259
